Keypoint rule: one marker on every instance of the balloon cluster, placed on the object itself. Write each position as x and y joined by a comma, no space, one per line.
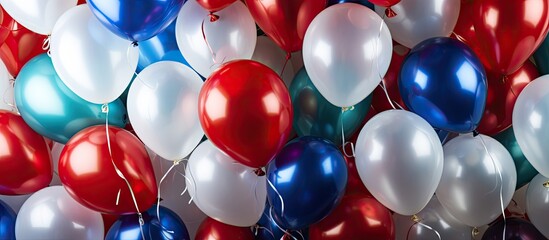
282,119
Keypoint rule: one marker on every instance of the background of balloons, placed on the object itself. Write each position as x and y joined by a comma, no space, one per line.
283,119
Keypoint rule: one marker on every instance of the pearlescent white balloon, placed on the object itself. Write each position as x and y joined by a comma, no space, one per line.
38,16
270,54
537,204
7,101
345,53
470,186
224,189
232,36
92,61
52,213
399,159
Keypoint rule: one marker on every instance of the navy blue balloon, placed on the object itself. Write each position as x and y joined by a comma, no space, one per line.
170,226
7,222
136,20
267,229
361,2
310,174
444,82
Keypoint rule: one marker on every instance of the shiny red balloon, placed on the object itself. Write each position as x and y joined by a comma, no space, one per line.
285,21
464,30
356,217
211,229
87,172
502,95
384,3
6,22
509,31
25,161
246,111
379,101
214,5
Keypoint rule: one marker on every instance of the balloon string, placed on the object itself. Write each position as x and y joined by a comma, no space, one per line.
279,196
46,45
504,79
417,221
214,56
288,57
382,80
286,233
345,143
175,163
12,102
384,88
132,45
257,227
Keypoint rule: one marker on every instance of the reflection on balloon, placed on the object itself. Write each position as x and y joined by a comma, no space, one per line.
525,171
537,203
7,222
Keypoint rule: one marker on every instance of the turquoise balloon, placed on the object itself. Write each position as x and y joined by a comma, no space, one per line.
54,111
315,116
541,57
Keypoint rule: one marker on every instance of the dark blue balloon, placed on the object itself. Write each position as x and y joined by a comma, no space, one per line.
362,2
444,82
135,20
310,174
170,226
267,229
7,222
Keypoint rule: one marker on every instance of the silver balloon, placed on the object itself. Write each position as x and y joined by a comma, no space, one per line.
52,213
399,159
470,186
537,203
436,217
267,52
417,20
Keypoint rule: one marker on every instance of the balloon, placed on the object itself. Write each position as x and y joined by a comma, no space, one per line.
223,189
7,222
52,214
136,22
309,175
502,95
379,100
6,24
361,2
268,229
464,30
93,62
509,33
433,215
525,171
285,21
515,228
6,89
56,150
345,53
163,109
205,44
541,57
470,187
442,81
418,20
212,229
54,111
25,157
214,5
268,53
355,217
246,111
315,116
165,225
537,203
530,123
86,168
384,3
38,16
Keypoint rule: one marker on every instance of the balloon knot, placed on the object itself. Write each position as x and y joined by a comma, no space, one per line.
105,108
345,109
475,232
288,56
546,184
259,172
159,199
390,13
415,218
135,44
286,236
213,17
475,133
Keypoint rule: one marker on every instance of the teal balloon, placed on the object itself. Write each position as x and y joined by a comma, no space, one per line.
525,171
541,57
54,111
315,116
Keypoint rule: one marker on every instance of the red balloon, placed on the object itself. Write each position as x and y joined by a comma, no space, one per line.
379,101
356,217
509,31
6,22
464,30
81,2
246,111
214,5
108,221
285,21
24,157
384,3
212,229
502,95
87,172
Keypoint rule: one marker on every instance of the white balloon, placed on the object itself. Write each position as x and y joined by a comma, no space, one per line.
7,100
267,52
55,153
537,204
232,36
224,189
345,53
38,16
399,159
52,213
92,61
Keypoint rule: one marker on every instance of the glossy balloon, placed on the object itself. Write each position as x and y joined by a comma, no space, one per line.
61,217
355,58
267,228
470,186
6,23
7,222
56,150
214,5
136,22
515,228
464,30
271,55
7,101
525,170
310,176
212,229
379,99
285,21
246,111
509,33
361,2
541,57
537,204
98,65
52,109
442,81
418,20
205,44
38,16
86,168
356,217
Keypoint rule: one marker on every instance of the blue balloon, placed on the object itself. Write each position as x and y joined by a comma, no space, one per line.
310,174
136,20
169,227
361,2
7,222
51,109
267,229
444,82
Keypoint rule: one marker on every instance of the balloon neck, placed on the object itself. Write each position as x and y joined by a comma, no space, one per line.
475,232
475,133
345,109
213,17
416,218
286,236
546,184
390,13
135,44
259,172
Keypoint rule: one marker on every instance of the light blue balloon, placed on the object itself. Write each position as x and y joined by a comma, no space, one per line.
54,111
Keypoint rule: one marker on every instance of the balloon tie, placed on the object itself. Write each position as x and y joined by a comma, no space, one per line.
135,44
175,163
345,143
475,232
390,13
417,221
288,56
286,232
257,227
213,17
279,196
259,172
46,44
546,184
12,102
